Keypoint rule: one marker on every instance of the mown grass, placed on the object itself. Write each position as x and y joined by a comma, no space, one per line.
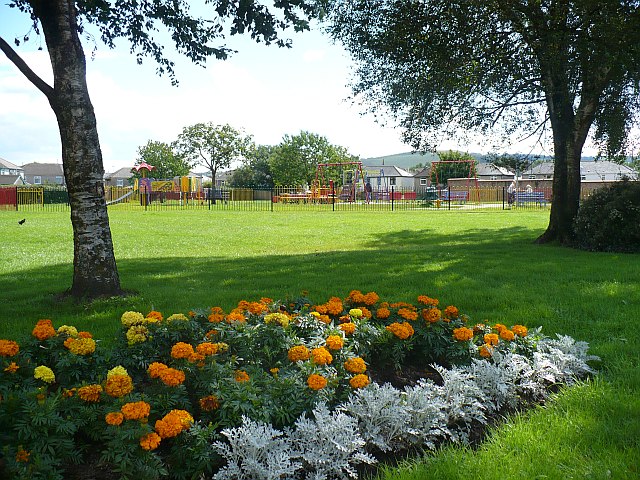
483,262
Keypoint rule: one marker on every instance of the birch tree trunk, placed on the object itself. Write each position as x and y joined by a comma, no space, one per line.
94,267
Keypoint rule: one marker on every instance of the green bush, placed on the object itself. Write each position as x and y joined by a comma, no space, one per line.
609,220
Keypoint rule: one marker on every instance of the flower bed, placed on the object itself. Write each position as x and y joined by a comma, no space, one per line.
268,390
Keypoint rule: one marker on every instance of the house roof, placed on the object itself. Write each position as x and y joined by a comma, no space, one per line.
491,169
387,171
425,172
7,164
601,167
11,180
44,169
124,172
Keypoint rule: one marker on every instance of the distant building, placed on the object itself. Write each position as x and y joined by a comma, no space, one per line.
43,173
386,177
10,174
602,170
489,171
119,178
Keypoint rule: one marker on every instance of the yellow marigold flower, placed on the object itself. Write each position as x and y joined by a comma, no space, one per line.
520,330
172,377
90,393
236,316
485,350
431,315
22,456
209,403
155,368
401,330
382,313
491,339
241,376
277,319
180,317
321,356
355,312
462,334
355,365
119,370
137,334
334,342
12,367
173,423
451,312
68,330
43,330
150,441
114,418
348,328
371,298
82,346
359,381
299,352
408,314
181,350
315,314
8,348
44,373
129,319
118,385
274,371
135,410
316,382
207,348
154,316
222,347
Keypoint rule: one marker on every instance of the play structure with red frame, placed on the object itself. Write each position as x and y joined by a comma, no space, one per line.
320,189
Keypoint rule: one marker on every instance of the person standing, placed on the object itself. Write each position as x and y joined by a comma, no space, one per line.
367,192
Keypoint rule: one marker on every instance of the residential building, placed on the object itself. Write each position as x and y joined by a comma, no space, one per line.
387,177
10,174
43,173
119,178
602,170
489,171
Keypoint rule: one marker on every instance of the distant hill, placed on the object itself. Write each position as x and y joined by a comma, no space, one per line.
409,159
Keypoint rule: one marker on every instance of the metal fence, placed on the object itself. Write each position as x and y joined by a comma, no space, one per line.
286,199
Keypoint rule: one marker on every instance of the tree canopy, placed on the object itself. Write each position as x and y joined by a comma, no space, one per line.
162,156
509,67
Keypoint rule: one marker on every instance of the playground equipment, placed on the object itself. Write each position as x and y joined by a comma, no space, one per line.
320,190
436,168
144,183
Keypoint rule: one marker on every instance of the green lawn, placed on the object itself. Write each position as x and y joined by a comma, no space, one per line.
483,262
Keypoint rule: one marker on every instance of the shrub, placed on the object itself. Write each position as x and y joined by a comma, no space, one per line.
609,220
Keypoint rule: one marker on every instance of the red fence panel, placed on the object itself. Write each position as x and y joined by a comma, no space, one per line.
9,198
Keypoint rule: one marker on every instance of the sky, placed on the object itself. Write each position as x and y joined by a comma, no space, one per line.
267,91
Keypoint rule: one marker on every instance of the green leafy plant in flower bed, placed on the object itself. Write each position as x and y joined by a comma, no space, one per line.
187,395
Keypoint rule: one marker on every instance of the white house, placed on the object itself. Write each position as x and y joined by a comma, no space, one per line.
386,177
10,174
601,170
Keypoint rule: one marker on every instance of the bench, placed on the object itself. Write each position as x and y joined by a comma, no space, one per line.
530,197
455,195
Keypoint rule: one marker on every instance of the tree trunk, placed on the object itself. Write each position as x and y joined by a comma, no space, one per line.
94,267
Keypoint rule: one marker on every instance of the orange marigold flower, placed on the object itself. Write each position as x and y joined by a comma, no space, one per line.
500,327
12,367
299,352
43,330
196,357
359,381
266,300
90,393
67,343
150,441
172,377
334,342
241,376
371,298
321,356
154,316
211,333
316,382
209,403
321,309
118,385
135,410
348,328
382,313
334,306
507,335
216,317
155,368
22,456
236,316
408,314
68,392
181,350
479,327
432,302
366,313
191,313
173,423
491,339
462,334
324,319
451,312
520,330
355,365
485,350
356,296
401,330
207,348
114,418
431,315
243,305
8,348
345,318
256,308
84,335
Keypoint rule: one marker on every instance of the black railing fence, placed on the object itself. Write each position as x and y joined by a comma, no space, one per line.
287,199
